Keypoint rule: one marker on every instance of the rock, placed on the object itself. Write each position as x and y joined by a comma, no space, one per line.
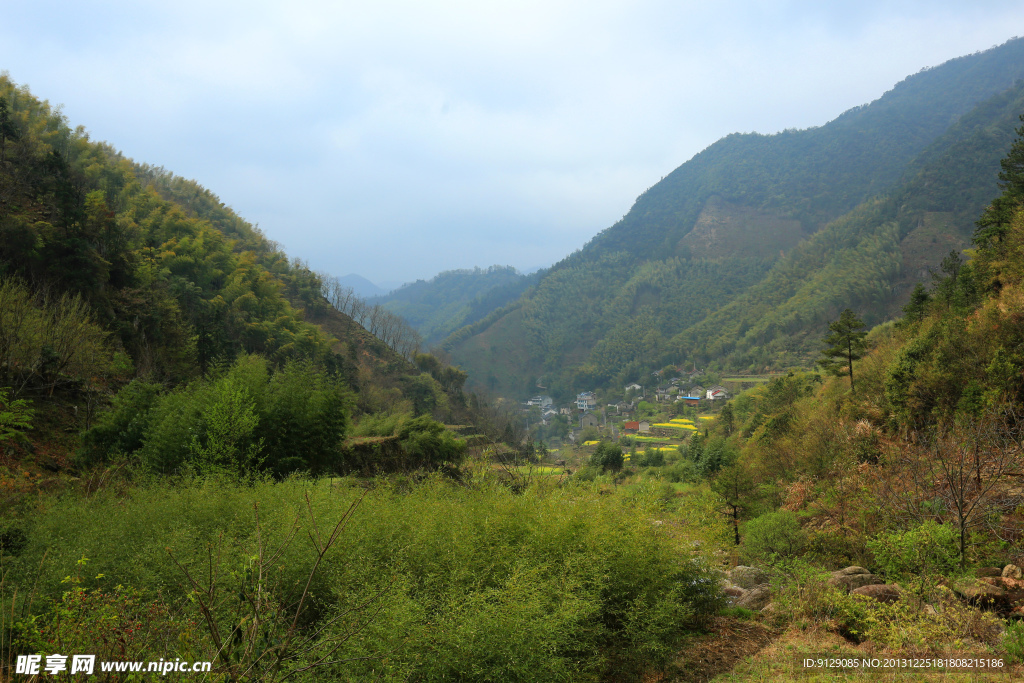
851,578
755,598
850,571
982,572
1014,588
748,577
734,593
878,591
981,593
1012,571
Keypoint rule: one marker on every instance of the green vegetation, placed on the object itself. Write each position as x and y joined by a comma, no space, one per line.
243,418
203,456
15,416
454,298
437,581
844,344
879,195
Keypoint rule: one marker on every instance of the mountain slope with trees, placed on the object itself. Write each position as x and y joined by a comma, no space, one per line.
454,298
126,286
740,257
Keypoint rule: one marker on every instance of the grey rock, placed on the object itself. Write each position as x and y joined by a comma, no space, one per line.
878,591
982,572
850,571
1012,571
981,593
748,577
755,598
734,593
852,578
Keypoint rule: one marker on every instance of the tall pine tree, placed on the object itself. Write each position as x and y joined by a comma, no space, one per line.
845,344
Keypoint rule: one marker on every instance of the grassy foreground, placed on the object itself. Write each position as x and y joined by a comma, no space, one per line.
347,580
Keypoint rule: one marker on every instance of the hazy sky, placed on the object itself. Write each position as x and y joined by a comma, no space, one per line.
399,139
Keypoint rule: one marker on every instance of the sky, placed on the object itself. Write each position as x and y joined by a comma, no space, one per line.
400,139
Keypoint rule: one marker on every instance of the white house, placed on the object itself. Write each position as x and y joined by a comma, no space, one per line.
717,393
586,401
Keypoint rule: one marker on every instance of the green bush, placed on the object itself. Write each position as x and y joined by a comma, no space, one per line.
904,625
122,427
919,556
1013,642
650,457
243,418
773,537
607,456
681,471
15,416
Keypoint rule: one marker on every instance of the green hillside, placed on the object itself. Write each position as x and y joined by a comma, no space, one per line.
454,298
740,256
141,318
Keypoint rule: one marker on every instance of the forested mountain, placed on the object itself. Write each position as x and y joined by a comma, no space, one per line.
741,255
126,286
454,298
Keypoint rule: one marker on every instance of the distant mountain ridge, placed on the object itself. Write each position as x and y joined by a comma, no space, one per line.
451,299
739,256
361,286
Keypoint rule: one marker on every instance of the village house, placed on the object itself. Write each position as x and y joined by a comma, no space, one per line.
588,420
717,393
644,426
542,401
586,401
634,387
631,427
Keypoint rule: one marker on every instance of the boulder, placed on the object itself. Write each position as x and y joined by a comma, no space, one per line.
851,578
733,593
849,571
1012,571
748,577
755,598
878,591
1014,589
983,572
982,593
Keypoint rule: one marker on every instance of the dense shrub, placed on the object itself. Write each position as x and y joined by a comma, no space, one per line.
245,417
773,536
919,556
607,456
458,583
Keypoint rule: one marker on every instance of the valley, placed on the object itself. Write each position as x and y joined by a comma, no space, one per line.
772,416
